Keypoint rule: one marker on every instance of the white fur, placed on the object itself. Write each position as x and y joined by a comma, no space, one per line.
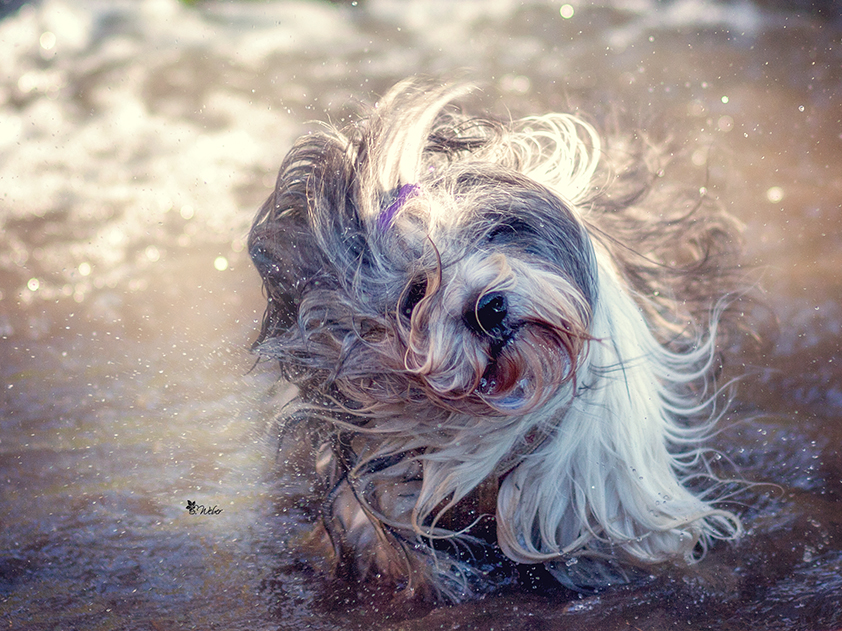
607,475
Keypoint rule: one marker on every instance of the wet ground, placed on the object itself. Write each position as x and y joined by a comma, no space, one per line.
137,139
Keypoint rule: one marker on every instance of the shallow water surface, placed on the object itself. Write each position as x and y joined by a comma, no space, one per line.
138,138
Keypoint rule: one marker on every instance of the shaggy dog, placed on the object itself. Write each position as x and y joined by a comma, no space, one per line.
502,339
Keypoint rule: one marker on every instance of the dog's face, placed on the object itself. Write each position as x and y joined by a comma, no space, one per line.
470,290
492,312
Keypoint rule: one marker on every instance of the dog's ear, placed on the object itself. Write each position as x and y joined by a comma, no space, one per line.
284,251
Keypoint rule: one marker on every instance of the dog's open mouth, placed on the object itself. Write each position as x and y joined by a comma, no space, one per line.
504,385
525,372
513,400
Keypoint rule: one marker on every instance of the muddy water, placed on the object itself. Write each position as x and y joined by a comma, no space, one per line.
136,141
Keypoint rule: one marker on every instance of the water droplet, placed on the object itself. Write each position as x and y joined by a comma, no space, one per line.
47,40
775,194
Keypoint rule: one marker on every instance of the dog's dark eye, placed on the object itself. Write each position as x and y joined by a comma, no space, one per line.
488,318
413,295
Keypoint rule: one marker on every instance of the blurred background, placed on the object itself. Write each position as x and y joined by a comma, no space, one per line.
137,140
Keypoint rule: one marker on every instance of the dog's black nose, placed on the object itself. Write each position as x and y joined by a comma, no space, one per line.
488,317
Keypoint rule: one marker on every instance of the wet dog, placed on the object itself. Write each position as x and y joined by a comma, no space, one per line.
503,340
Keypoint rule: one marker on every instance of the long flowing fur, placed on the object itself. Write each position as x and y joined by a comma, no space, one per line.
494,322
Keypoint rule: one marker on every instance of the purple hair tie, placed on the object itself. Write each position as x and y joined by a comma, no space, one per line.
405,193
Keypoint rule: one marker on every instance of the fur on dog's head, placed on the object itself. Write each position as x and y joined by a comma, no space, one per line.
464,307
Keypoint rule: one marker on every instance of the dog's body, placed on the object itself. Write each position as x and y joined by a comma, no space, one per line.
482,333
